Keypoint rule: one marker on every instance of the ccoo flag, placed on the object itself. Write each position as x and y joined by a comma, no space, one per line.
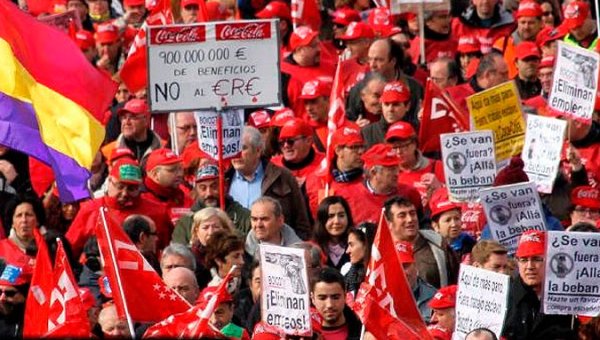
51,99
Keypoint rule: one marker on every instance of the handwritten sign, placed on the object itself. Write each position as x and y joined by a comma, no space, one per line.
481,301
233,123
575,82
469,163
499,109
542,150
216,64
572,280
285,291
512,209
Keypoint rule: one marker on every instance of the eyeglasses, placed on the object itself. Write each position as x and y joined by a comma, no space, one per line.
131,117
402,146
187,128
290,141
8,293
582,210
545,14
533,259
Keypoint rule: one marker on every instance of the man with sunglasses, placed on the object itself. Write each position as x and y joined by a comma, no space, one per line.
523,318
121,200
297,152
14,285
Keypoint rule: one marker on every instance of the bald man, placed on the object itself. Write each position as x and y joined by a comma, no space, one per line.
183,281
111,325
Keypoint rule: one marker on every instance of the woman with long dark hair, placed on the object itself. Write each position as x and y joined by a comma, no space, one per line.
334,219
360,240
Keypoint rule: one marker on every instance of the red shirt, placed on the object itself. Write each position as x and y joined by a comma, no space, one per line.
335,333
301,173
351,72
413,177
486,36
434,49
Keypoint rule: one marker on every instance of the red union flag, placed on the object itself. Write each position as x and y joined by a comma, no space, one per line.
243,31
137,289
177,35
36,308
385,303
440,115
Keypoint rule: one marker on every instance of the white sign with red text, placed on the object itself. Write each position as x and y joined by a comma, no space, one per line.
233,64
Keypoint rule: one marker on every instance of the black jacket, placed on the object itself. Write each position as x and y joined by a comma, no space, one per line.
524,319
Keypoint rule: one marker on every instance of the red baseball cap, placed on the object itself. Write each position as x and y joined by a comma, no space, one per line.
400,130
529,8
358,30
468,44
405,252
315,88
107,33
444,298
347,135
531,243
185,3
547,61
260,119
380,19
217,11
527,49
548,34
192,152
395,91
586,196
575,14
282,116
295,127
161,156
440,202
132,3
391,31
127,171
264,331
84,39
344,16
275,9
118,153
135,106
380,154
302,36
16,274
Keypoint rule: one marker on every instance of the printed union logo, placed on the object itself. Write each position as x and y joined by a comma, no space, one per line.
561,265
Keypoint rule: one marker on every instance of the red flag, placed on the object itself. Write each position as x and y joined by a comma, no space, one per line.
134,71
306,12
138,291
36,307
385,303
440,115
67,316
193,323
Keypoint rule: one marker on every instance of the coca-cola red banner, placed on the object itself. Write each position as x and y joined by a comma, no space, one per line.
243,31
177,35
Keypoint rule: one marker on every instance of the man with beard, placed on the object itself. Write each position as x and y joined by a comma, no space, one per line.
14,285
208,195
121,200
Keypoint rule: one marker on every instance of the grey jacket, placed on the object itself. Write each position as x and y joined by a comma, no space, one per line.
288,237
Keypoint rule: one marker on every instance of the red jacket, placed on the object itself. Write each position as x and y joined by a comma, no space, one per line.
366,206
315,189
468,24
434,49
177,201
413,178
301,173
459,94
351,72
84,224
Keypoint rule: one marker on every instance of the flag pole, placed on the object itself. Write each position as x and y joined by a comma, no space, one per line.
117,275
174,141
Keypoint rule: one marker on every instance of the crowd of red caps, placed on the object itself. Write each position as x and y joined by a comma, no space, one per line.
350,36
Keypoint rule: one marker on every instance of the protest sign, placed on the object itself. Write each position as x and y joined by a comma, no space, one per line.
572,280
510,210
63,21
575,82
542,150
284,299
233,123
481,301
216,64
499,109
402,6
469,163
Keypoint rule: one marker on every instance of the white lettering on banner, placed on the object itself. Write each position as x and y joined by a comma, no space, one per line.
233,123
214,64
65,292
469,163
572,280
122,248
575,82
512,209
285,300
481,301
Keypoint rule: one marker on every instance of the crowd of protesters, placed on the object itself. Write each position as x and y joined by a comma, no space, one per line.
164,191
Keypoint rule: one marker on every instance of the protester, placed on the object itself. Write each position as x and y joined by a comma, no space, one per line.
315,95
490,255
334,220
175,256
481,334
182,129
222,316
439,40
164,179
142,232
13,290
357,37
528,59
112,326
360,241
225,253
585,202
443,306
183,281
445,72
580,24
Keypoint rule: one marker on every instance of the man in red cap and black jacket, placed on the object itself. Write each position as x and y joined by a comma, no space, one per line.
523,318
14,286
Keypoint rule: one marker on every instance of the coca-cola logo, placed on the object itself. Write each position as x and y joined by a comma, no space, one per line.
241,31
590,193
177,35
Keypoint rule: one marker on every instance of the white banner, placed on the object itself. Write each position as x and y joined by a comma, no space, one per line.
402,6
285,290
542,150
572,280
233,124
469,163
512,209
212,65
575,82
481,301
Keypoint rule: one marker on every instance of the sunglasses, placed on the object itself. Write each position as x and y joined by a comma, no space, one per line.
290,141
8,293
